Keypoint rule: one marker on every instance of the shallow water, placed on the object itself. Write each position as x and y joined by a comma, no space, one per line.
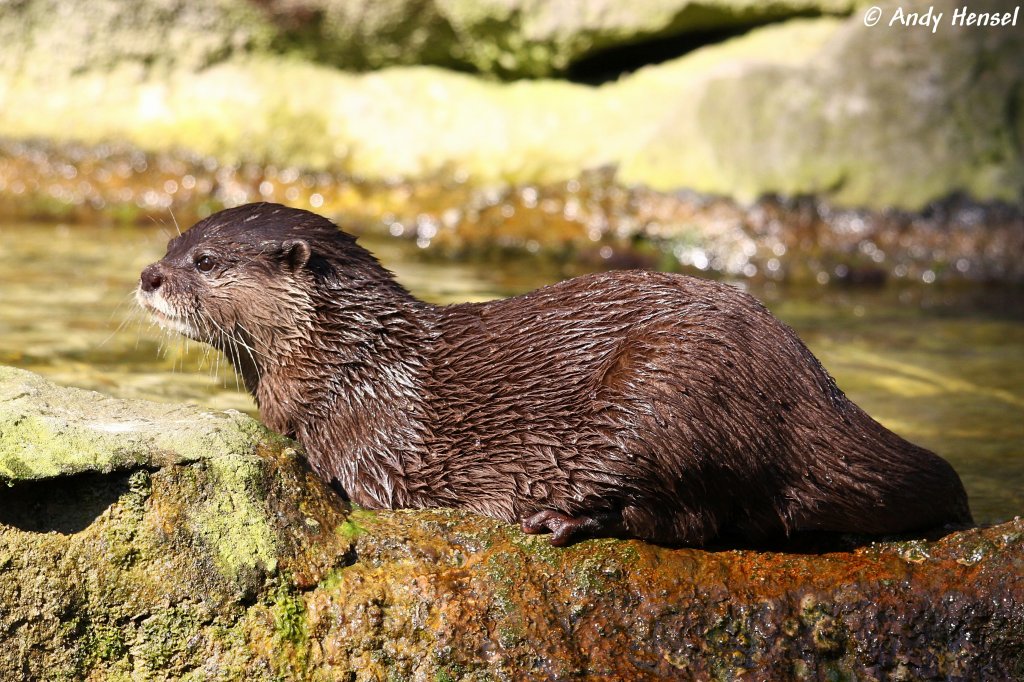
944,368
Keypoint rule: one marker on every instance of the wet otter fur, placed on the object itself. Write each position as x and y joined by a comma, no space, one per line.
642,404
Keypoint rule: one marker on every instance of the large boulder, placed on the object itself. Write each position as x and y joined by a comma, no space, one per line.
879,116
508,38
134,534
145,541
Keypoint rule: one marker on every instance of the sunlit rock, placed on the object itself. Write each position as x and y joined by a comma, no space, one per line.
142,541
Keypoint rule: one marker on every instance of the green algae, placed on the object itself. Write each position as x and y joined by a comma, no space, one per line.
122,550
350,529
289,615
162,638
504,570
333,580
231,521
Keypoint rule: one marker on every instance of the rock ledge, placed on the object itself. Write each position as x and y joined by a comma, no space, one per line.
144,541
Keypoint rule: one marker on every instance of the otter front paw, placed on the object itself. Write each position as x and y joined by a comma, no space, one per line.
563,528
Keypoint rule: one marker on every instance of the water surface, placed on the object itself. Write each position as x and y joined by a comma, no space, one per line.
944,368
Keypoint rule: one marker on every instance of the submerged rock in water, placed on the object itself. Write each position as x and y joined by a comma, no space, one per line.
593,220
164,542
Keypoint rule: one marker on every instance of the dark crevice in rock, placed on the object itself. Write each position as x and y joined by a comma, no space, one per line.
336,487
250,598
614,62
351,556
65,505
620,60
705,27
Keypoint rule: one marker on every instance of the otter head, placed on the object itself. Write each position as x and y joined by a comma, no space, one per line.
248,281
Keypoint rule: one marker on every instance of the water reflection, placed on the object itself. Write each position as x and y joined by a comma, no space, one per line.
942,367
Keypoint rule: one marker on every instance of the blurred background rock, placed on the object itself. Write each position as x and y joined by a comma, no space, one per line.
678,118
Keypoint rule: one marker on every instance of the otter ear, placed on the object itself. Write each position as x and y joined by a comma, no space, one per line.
295,252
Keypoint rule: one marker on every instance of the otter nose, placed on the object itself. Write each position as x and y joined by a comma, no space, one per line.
151,278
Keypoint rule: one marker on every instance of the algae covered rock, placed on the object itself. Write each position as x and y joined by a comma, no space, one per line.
132,534
151,557
50,433
439,593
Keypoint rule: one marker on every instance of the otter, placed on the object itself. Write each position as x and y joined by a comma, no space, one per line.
637,404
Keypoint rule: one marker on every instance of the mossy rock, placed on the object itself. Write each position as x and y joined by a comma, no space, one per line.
236,563
50,433
41,38
132,534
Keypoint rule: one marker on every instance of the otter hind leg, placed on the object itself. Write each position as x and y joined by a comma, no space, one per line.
565,528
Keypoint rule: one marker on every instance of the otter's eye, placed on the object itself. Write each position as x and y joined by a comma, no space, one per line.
204,264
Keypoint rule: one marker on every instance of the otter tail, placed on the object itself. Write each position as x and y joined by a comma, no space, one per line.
866,479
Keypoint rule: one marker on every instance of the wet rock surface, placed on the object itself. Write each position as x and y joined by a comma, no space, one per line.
626,610
238,564
590,219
